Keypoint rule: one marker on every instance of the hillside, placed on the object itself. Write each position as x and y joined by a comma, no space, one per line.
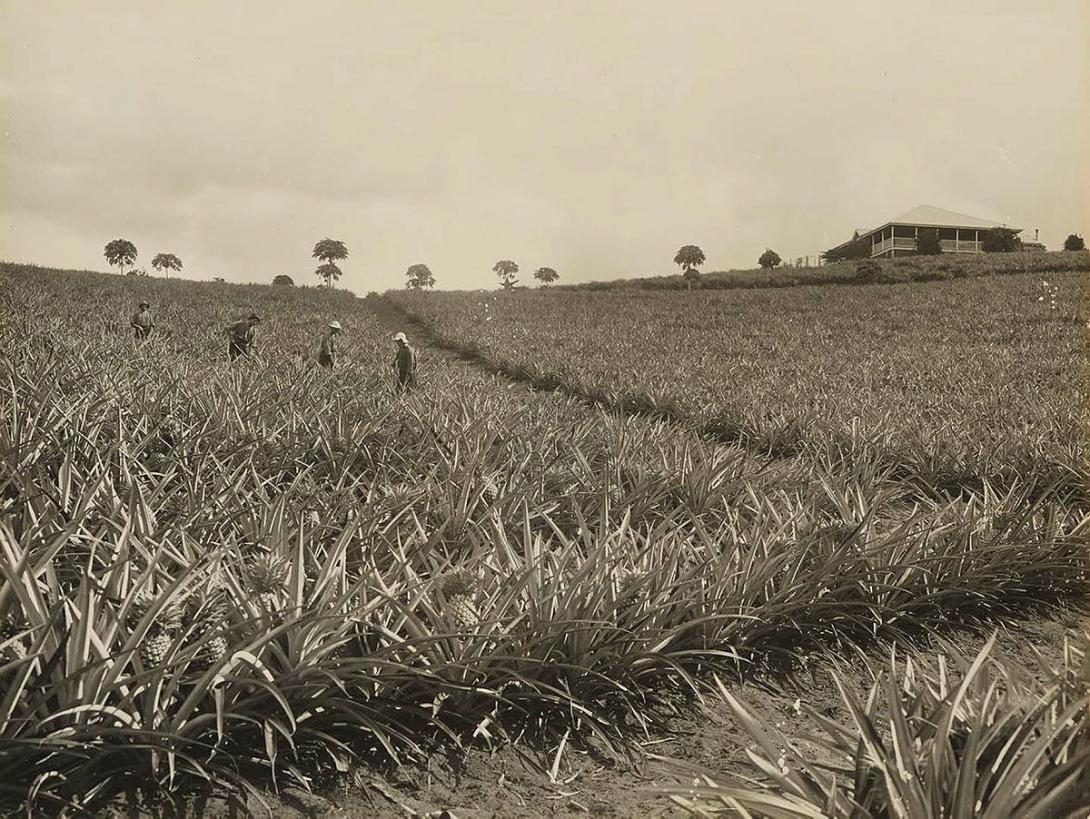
259,577
891,271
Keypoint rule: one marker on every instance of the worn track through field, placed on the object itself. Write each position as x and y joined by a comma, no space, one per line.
391,317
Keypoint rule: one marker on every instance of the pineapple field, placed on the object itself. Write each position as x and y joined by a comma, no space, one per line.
593,511
953,384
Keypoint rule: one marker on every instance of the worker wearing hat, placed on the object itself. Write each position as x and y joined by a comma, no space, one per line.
405,362
141,322
241,335
327,349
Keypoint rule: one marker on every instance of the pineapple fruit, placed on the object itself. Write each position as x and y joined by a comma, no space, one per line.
457,588
627,584
154,648
160,635
212,621
213,650
490,490
11,628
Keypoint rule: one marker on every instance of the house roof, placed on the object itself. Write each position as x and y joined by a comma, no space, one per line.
938,217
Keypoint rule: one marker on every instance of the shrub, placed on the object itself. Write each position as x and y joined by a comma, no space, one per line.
284,280
928,243
1074,242
868,270
1000,240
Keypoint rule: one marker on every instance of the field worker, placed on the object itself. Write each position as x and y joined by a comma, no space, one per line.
405,362
327,350
141,322
240,336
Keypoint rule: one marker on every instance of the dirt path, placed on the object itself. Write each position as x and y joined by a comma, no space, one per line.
395,319
393,316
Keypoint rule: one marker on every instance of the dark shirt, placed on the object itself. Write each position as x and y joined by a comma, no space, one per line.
406,359
242,333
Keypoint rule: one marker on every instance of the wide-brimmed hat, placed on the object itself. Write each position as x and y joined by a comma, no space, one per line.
401,337
334,325
144,304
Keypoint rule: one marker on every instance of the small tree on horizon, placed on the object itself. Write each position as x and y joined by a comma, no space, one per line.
505,271
769,259
690,257
328,273
284,280
546,275
1074,242
165,262
329,251
927,242
120,252
419,277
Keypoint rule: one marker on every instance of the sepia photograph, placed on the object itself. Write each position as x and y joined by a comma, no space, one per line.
484,408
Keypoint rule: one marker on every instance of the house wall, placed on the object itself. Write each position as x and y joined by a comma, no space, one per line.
900,240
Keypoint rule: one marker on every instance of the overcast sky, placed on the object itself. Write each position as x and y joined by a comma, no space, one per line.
593,137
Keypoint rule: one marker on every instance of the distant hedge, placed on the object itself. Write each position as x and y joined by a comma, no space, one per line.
908,268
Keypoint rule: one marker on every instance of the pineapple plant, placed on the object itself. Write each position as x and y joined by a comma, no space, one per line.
627,586
160,635
457,588
268,581
173,507
395,498
167,435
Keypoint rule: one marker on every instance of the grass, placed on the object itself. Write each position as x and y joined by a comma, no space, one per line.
309,525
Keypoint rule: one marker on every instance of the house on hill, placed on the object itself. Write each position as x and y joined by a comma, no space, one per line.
958,233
